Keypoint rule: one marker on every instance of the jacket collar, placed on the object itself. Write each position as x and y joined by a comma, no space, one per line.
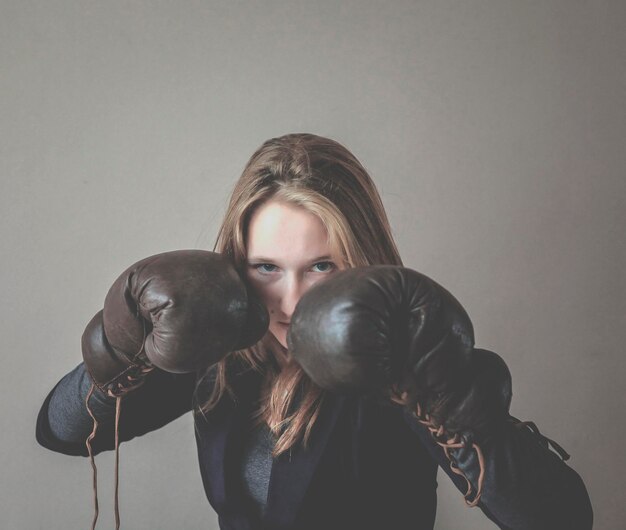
291,472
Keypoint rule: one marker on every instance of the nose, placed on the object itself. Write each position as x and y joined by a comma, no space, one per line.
294,290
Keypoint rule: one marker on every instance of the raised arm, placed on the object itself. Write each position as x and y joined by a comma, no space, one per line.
394,332
64,424
526,486
164,317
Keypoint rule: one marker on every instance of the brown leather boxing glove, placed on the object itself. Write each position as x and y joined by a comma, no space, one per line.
178,311
392,331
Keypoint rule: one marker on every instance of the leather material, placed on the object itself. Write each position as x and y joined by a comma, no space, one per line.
371,329
480,403
105,364
367,328
178,311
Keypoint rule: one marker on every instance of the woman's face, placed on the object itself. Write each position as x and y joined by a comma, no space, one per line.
287,253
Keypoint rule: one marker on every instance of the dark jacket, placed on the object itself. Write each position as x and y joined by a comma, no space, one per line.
368,465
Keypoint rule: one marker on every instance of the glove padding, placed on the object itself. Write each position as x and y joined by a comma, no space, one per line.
368,328
480,403
178,311
391,330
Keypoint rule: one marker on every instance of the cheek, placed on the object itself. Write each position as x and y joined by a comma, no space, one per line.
319,278
266,293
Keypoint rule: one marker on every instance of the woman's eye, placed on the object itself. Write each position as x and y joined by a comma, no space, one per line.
321,267
265,267
326,266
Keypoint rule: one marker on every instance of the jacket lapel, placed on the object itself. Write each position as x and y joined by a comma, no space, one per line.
292,471
222,434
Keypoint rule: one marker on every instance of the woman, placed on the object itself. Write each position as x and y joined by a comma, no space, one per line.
275,450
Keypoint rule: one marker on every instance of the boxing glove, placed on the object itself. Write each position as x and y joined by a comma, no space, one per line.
392,331
387,328
178,311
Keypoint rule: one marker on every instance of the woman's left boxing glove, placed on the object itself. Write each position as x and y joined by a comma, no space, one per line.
368,328
178,311
393,331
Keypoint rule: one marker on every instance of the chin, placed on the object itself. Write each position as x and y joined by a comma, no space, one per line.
281,337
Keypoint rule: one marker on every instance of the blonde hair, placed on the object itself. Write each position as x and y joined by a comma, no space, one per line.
323,177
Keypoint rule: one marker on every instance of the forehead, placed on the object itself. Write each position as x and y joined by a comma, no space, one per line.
286,233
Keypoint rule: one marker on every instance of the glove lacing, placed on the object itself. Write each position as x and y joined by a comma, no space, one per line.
448,442
133,377
543,439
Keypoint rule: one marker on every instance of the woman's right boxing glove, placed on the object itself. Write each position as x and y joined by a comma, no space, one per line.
178,311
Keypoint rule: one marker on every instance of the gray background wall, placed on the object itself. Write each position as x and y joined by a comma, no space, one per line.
495,132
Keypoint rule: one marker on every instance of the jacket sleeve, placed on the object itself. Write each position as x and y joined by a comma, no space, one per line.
64,424
526,485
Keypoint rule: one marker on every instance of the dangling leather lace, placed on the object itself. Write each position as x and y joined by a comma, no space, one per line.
129,380
544,439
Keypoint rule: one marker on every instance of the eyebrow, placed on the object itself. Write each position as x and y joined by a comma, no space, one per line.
270,260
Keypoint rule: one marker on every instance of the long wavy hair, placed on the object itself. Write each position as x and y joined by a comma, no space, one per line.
323,177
